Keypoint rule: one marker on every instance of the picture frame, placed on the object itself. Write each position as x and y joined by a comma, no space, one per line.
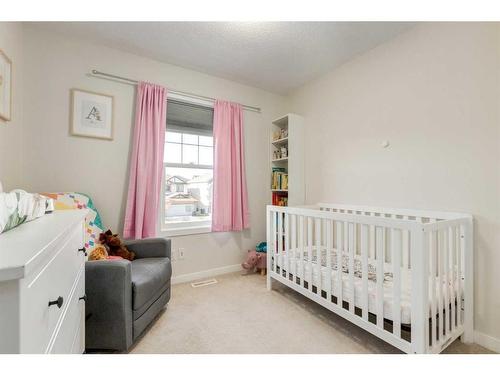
91,114
5,87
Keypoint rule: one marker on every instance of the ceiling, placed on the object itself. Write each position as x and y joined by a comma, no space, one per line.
275,56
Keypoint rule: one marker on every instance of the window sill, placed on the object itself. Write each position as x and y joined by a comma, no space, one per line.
175,232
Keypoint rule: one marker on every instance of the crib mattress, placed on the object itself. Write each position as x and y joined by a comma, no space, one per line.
296,267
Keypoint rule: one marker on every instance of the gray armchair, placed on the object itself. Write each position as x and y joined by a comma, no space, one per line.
124,297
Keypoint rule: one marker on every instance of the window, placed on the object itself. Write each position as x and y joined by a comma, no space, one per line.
184,149
188,163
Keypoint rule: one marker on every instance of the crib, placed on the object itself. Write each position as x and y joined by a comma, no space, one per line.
405,276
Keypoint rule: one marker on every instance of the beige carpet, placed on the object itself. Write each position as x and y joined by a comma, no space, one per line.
238,315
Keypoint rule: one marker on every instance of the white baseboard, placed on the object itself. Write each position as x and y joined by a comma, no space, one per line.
491,343
204,274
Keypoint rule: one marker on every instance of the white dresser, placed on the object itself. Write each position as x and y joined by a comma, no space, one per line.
42,285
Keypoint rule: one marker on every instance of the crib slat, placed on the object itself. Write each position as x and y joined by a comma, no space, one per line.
445,286
371,254
329,260
457,272
439,249
286,260
396,281
351,227
451,243
406,256
380,244
364,276
280,242
274,247
432,278
433,273
460,249
301,249
293,245
340,231
272,242
406,252
309,252
346,238
318,225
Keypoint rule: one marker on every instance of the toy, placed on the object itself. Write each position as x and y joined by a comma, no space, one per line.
255,261
114,245
98,253
284,152
262,247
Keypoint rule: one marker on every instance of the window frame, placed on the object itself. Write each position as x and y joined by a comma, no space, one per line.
198,145
183,229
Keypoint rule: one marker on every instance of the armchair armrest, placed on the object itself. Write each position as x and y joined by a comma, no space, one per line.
150,247
108,287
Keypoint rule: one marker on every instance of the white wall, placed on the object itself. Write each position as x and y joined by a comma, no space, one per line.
433,93
11,132
56,161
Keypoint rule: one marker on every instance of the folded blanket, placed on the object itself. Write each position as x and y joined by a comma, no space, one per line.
18,207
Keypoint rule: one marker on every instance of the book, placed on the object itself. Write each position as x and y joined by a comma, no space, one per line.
279,179
280,198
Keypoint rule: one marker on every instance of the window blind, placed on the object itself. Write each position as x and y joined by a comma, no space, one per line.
189,118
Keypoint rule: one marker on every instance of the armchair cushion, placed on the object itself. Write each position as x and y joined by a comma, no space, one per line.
150,247
150,277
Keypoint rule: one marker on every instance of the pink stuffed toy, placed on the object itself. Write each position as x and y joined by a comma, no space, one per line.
255,261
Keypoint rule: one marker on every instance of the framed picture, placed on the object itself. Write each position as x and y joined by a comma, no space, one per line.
91,114
5,87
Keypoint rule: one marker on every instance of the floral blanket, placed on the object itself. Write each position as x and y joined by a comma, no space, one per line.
358,268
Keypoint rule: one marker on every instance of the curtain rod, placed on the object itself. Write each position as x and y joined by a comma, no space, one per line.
129,81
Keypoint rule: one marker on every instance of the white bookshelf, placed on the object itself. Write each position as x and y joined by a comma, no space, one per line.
293,162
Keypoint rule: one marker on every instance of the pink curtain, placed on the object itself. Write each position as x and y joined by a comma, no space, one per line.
230,198
146,163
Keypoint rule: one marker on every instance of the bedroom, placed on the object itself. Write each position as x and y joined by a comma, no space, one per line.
216,137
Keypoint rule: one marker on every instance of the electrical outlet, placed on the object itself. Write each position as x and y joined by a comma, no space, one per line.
181,253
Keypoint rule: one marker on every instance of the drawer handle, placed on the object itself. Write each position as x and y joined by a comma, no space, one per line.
84,298
58,302
83,250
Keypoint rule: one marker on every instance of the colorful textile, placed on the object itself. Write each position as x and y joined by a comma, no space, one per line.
230,198
18,207
146,163
261,248
372,268
72,201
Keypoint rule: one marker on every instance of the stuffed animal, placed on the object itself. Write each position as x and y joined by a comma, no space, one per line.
98,253
255,261
261,248
114,245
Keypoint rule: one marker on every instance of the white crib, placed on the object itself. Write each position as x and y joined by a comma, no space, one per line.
405,276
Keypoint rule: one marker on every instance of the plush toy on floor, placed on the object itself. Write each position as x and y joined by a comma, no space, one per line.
255,261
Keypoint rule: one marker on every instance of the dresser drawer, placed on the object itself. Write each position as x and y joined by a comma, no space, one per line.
54,280
70,333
